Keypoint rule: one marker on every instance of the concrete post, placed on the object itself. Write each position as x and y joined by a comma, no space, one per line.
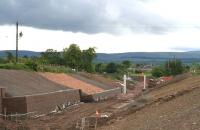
144,82
124,86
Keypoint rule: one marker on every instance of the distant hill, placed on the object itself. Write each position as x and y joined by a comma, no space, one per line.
137,57
21,53
149,57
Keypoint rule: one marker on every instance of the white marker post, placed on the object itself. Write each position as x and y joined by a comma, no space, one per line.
124,85
144,82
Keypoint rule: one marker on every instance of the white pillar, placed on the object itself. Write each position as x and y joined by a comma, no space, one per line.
144,82
124,86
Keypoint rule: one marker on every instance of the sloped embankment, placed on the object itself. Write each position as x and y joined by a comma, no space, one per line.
69,81
172,107
20,83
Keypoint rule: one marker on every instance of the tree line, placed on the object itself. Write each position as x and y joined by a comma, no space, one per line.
170,67
72,57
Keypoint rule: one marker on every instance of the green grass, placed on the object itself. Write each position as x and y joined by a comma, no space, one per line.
41,68
54,69
12,66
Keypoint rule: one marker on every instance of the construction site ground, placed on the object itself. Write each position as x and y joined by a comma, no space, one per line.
175,106
172,107
69,81
68,117
20,83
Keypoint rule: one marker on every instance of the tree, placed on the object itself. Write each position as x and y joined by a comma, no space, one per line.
9,56
87,58
51,56
72,56
195,67
173,67
111,68
126,64
158,72
2,60
100,68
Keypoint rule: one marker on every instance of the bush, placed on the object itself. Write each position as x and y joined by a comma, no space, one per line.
171,67
14,66
111,68
138,71
32,65
2,61
54,69
158,72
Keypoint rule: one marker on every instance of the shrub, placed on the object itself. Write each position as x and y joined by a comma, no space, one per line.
171,67
54,69
158,72
32,65
14,66
111,68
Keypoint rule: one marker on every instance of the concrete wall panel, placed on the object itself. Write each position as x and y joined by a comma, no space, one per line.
47,102
41,103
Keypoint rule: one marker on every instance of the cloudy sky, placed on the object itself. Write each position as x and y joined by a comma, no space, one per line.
109,25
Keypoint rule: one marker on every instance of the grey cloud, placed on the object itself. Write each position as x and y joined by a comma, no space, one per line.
88,16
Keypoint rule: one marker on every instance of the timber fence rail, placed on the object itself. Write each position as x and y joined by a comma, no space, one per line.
17,117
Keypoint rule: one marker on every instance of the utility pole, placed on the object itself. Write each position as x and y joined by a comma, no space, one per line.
17,42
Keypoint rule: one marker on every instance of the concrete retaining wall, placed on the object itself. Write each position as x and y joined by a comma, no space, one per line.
102,95
41,103
47,102
2,95
14,105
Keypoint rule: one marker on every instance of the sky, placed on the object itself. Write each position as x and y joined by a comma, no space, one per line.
112,26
